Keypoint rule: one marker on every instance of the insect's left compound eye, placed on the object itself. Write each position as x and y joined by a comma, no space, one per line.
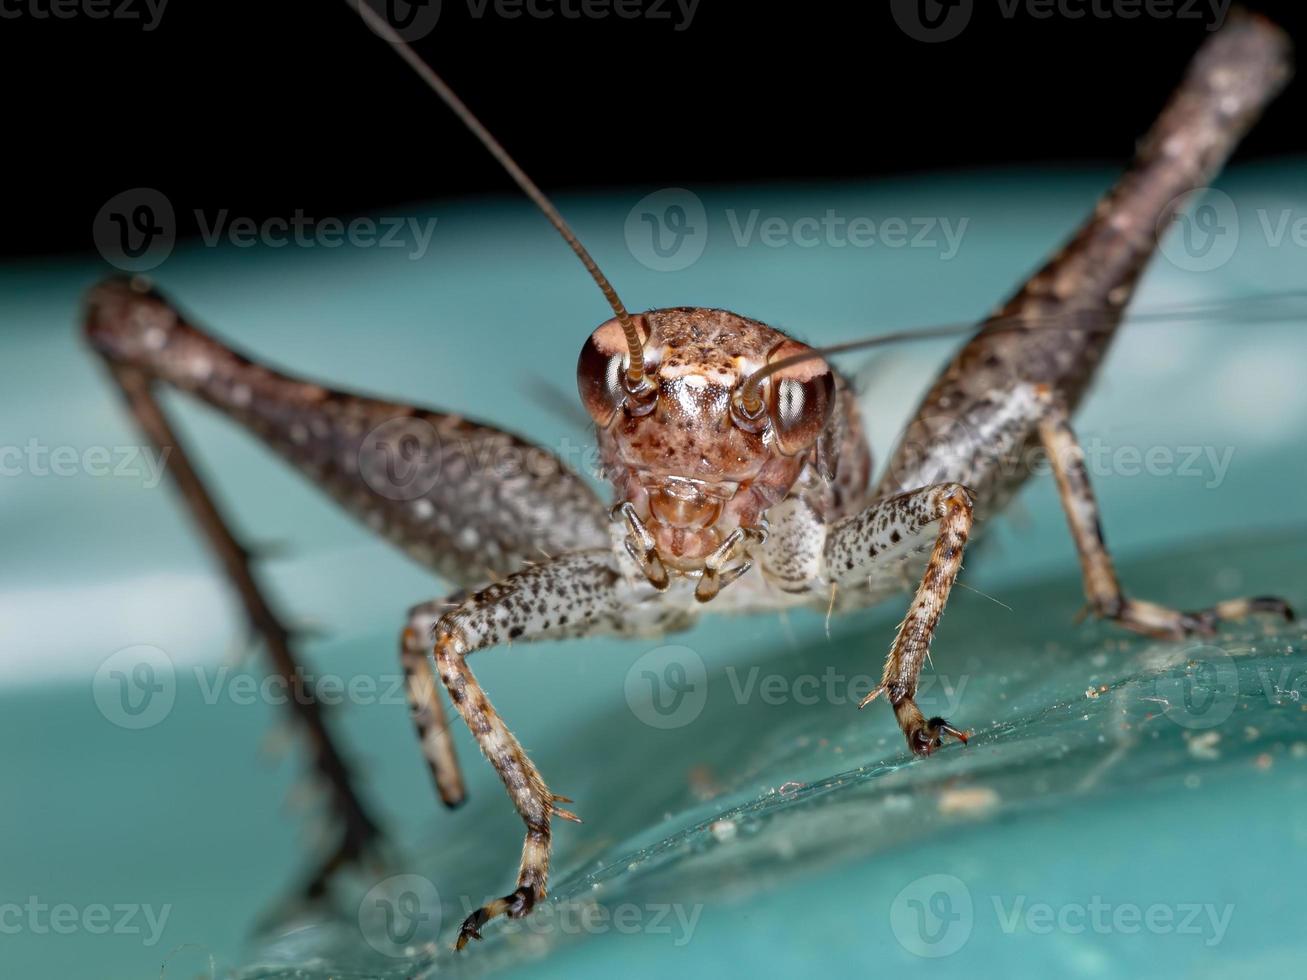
599,378
801,400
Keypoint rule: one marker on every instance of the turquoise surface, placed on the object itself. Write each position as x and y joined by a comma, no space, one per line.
1127,807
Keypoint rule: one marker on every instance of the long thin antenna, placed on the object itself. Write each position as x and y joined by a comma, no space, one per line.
1260,308
383,28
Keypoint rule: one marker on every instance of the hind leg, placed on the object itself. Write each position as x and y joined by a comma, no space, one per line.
358,831
1104,592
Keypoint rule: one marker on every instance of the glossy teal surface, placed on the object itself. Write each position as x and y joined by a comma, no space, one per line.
1128,807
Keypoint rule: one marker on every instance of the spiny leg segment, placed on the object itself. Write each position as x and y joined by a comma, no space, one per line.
358,831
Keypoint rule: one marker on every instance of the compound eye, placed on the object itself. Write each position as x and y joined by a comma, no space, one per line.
601,373
801,400
599,381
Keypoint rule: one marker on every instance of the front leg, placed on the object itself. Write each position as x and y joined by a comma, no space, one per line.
1102,589
879,540
582,594
424,706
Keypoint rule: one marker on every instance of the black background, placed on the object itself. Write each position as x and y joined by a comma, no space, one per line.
268,107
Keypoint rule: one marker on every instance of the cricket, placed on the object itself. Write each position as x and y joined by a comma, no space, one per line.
741,477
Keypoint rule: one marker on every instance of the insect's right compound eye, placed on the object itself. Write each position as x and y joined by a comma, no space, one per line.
599,379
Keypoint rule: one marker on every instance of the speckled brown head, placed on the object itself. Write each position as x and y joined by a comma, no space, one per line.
693,446
687,449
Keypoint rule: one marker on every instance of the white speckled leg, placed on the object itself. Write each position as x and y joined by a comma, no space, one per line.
888,532
575,595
